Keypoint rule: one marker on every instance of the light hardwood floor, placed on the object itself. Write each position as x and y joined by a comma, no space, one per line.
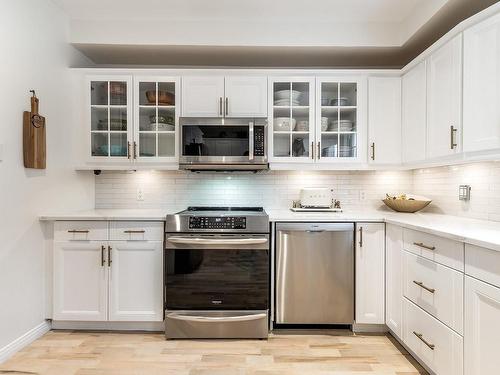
98,353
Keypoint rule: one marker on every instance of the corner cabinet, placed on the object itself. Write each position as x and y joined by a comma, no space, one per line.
132,120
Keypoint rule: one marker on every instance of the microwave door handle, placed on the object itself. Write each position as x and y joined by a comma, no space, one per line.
251,140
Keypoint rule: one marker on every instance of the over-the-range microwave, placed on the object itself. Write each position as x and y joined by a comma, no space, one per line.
223,144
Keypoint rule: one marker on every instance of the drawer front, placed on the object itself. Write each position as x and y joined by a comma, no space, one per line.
435,288
436,345
136,230
483,264
439,249
81,231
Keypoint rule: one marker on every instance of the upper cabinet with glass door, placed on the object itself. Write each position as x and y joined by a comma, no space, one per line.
110,118
156,119
291,130
338,119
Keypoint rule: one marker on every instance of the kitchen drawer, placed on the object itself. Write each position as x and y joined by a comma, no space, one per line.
81,231
483,264
136,231
435,288
439,249
439,347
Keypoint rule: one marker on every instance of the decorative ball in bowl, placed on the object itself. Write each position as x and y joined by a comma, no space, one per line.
406,202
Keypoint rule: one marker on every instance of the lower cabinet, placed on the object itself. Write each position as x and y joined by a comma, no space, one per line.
370,273
437,346
393,279
136,281
80,281
106,280
482,328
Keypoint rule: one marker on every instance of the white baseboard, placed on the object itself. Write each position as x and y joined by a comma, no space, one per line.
109,326
10,349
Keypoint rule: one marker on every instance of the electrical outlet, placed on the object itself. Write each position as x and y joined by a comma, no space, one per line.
140,194
362,195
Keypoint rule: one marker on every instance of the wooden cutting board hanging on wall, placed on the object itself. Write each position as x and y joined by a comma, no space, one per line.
34,148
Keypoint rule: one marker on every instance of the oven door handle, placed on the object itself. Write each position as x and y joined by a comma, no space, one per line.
217,241
212,319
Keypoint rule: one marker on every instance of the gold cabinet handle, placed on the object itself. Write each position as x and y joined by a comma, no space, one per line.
319,150
360,236
220,106
134,231
128,150
452,137
420,244
103,261
373,150
421,284
109,256
78,231
135,150
226,107
421,337
312,150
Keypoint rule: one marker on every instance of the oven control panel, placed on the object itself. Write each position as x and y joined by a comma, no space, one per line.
210,222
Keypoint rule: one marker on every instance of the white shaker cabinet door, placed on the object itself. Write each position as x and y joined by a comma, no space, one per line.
414,114
202,96
370,273
384,120
245,96
80,281
393,280
444,99
135,281
482,329
481,120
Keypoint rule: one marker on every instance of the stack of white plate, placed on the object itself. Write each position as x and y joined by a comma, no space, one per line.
329,152
342,125
282,97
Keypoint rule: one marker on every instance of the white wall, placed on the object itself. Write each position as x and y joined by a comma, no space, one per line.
34,55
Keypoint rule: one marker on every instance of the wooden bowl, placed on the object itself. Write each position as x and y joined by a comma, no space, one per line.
165,97
407,205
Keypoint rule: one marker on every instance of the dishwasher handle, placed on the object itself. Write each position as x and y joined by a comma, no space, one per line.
315,227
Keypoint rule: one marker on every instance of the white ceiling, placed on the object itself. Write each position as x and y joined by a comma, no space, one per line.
248,22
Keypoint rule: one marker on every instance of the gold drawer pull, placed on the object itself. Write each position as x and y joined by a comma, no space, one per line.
420,244
134,231
421,337
421,284
78,231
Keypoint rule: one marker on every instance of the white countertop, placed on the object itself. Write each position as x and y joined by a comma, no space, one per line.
476,232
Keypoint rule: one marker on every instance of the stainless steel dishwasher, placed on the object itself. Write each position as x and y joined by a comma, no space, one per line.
315,273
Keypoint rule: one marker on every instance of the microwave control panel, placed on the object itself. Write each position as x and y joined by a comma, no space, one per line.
259,143
210,222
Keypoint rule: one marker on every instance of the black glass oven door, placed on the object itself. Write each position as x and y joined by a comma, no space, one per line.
204,279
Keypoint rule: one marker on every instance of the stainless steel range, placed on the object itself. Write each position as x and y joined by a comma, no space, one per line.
217,273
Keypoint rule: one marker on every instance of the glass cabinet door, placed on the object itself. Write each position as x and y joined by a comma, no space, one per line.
292,130
337,121
156,118
109,118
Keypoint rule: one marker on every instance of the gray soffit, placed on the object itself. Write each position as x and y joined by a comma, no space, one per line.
451,14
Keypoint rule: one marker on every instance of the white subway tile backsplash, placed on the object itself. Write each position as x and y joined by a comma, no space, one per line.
175,190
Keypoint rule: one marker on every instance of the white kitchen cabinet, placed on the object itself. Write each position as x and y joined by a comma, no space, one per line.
117,278
393,279
135,281
414,108
109,123
482,314
156,119
80,281
481,113
218,96
384,120
370,273
291,120
444,100
202,96
245,96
